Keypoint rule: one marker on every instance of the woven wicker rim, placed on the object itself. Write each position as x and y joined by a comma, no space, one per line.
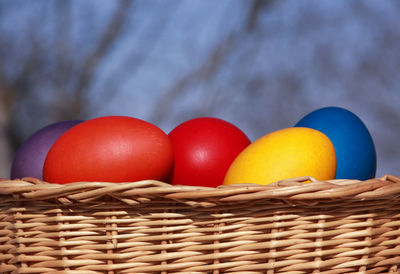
341,226
294,190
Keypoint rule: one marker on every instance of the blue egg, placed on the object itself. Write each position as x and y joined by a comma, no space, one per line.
355,150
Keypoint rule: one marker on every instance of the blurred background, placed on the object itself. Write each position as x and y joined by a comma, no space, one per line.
260,64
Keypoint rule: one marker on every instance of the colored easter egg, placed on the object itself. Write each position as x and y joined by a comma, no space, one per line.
30,156
110,149
204,148
284,154
355,150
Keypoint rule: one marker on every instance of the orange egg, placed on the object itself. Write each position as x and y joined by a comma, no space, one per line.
111,149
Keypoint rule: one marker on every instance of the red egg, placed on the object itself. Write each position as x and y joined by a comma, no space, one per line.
204,148
110,149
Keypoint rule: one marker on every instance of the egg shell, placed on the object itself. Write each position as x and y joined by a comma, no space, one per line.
30,156
355,149
110,149
284,154
204,148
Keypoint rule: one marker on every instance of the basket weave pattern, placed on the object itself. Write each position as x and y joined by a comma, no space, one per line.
339,226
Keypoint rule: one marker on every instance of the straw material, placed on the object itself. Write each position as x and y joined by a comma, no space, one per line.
340,226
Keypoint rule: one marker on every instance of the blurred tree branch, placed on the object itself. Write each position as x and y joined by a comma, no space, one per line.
261,60
135,60
203,72
89,65
255,11
213,63
49,75
63,44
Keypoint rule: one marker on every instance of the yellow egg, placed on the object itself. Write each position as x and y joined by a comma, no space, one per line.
283,154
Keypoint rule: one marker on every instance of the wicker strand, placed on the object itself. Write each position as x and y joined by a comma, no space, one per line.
338,226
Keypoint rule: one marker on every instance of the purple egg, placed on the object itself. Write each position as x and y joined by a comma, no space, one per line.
29,158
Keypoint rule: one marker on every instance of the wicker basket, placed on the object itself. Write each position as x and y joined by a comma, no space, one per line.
340,226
